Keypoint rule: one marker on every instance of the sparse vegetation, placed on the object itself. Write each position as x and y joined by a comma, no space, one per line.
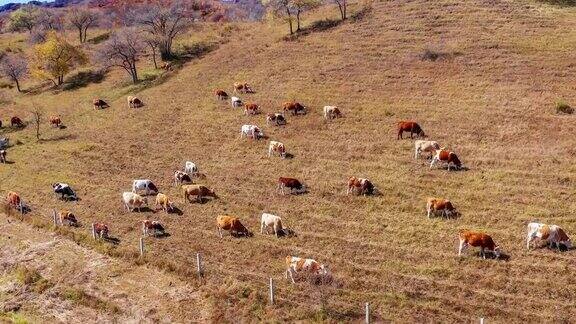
80,297
564,108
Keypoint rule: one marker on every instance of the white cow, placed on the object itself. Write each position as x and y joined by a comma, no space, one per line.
190,167
144,185
277,147
251,131
552,234
236,102
133,201
425,146
271,220
296,264
331,112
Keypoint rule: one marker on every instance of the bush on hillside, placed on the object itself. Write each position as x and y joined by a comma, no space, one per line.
564,108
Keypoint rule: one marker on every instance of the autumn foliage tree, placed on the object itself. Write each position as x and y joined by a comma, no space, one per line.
55,58
24,18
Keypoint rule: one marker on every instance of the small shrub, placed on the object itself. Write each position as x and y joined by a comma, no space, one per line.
27,276
80,297
564,108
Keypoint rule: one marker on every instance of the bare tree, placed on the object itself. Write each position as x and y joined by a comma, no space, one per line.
282,8
37,114
82,19
164,21
153,43
301,6
342,6
14,67
123,49
50,19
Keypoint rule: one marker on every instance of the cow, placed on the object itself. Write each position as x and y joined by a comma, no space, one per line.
66,217
242,88
145,185
167,66
251,109
552,234
3,156
294,108
190,167
13,199
269,220
410,126
164,203
360,185
153,228
295,265
477,239
64,190
181,178
134,102
99,103
55,121
331,112
277,147
236,102
199,191
444,206
290,183
231,224
101,230
221,94
133,201
446,156
276,118
251,131
16,122
425,146
4,142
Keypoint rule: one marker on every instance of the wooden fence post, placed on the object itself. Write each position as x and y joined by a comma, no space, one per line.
199,264
93,231
271,292
481,320
54,217
367,307
141,246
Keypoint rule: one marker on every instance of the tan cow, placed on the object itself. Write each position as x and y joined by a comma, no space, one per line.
440,205
164,203
197,190
231,224
66,217
295,265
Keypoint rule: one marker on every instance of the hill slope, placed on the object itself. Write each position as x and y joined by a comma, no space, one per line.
490,98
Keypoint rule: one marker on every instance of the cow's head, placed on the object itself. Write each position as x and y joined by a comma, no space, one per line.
212,193
422,134
497,252
145,200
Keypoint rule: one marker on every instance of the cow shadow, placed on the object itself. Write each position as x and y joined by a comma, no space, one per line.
452,169
289,156
490,256
62,127
144,209
287,232
8,162
112,239
59,138
162,235
202,200
176,210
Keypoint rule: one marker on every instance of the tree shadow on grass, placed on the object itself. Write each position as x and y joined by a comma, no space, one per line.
560,3
83,79
317,26
59,138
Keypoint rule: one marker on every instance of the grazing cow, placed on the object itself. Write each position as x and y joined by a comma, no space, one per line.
66,217
251,131
478,239
190,167
242,88
444,206
294,108
331,112
236,102
295,265
251,109
276,118
449,157
231,224
2,156
181,177
410,126
277,147
101,230
199,191
144,184
13,199
360,185
16,121
64,190
4,141
425,146
167,66
99,103
552,234
133,201
55,121
134,102
153,228
290,183
274,221
164,203
221,94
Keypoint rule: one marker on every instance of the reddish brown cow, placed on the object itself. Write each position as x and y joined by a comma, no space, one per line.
290,183
277,119
477,239
101,230
231,224
99,103
13,199
294,108
446,156
55,121
251,109
360,185
16,121
444,206
410,126
221,94
242,88
153,228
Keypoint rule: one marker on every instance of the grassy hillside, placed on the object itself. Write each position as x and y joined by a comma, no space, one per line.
490,98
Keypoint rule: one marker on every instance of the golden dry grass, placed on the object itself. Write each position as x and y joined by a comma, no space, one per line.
493,104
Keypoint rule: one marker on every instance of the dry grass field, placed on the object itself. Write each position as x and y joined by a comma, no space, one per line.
490,98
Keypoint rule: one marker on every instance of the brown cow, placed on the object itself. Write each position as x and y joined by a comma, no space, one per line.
13,199
55,121
295,265
101,230
99,103
444,206
153,228
251,109
16,121
199,191
68,218
3,156
410,126
477,239
277,118
290,183
231,224
294,108
360,185
242,88
221,94
449,157
134,102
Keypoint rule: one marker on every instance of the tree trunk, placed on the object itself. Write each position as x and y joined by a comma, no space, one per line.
154,58
85,34
134,74
80,32
298,20
60,79
344,5
165,49
17,85
290,21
